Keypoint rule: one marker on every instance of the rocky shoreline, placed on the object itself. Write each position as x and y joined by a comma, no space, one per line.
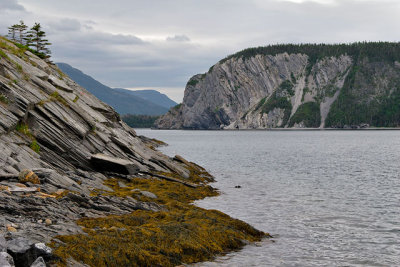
76,181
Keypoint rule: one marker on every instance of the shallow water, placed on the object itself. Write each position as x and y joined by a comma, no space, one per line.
329,198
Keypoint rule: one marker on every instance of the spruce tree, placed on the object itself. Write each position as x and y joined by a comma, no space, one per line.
36,40
12,32
21,27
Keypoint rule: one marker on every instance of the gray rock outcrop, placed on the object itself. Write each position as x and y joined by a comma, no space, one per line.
58,144
262,88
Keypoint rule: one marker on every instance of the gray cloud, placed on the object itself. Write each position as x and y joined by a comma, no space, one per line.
178,38
10,5
121,46
65,25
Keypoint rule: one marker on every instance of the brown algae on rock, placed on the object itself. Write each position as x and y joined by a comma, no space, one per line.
181,233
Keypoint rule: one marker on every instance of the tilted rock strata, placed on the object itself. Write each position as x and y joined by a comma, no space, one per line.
266,91
52,131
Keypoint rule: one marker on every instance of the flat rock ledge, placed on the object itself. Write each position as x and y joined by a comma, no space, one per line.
107,163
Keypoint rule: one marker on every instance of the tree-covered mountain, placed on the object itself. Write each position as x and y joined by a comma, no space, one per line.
122,102
301,86
151,95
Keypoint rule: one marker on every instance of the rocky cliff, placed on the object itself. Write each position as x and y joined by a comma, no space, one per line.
298,86
59,148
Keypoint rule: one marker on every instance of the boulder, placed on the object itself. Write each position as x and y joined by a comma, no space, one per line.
6,260
19,249
39,262
27,253
105,163
28,176
3,244
148,194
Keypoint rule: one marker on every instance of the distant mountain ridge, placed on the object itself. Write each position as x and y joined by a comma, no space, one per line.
123,102
153,96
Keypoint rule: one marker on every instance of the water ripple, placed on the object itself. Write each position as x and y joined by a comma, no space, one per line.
330,198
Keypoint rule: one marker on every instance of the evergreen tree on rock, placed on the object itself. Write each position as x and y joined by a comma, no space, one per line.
36,40
21,28
12,32
17,32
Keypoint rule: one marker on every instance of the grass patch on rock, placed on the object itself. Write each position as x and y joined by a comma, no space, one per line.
55,96
35,146
4,99
24,129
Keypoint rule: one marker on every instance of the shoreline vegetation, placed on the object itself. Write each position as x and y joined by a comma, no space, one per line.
139,121
181,233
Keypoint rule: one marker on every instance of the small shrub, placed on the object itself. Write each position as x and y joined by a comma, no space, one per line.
93,129
57,97
4,99
60,73
75,99
35,146
286,86
19,68
41,103
260,103
292,77
217,109
26,76
177,107
192,82
3,54
24,129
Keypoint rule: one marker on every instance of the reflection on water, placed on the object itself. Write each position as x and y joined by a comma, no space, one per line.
329,197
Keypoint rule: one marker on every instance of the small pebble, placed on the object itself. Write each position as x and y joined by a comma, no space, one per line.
11,229
40,221
48,222
12,225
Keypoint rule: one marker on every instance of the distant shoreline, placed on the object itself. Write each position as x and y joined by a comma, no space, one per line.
288,129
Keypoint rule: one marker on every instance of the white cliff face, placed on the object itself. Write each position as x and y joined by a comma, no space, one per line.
259,92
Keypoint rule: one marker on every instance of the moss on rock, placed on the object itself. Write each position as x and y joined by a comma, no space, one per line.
182,233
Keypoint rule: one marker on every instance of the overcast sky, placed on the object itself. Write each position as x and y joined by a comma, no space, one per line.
162,43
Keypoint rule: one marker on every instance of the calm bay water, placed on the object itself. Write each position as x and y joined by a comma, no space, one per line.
329,198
